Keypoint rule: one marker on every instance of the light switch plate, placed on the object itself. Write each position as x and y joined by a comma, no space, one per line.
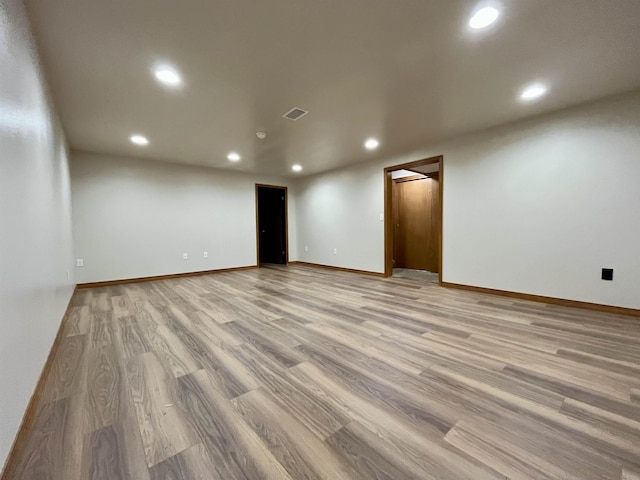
205,255
79,262
185,256
382,217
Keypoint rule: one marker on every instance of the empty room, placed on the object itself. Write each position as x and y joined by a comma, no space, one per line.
336,240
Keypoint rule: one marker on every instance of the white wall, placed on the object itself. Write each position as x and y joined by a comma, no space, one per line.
536,207
340,210
35,221
135,218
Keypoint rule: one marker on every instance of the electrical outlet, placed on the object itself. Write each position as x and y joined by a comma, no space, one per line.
306,248
205,255
335,251
79,262
185,256
382,217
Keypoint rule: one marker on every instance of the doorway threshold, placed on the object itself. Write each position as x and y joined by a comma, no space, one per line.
422,275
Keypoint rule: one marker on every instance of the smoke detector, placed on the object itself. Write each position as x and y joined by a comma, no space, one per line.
295,114
261,135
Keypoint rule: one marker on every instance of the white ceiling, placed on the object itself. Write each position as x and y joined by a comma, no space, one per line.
408,72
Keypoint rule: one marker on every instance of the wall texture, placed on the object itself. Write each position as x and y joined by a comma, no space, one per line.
340,210
135,218
36,280
536,207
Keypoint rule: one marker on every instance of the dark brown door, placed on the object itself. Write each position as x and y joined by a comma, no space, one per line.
416,211
272,224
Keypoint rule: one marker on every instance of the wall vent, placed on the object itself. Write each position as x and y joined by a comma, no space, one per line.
295,114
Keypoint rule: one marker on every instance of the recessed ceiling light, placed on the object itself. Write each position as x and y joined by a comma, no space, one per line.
233,156
168,76
139,140
296,168
371,144
483,17
533,91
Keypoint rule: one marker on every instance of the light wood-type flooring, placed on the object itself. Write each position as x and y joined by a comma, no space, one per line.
302,373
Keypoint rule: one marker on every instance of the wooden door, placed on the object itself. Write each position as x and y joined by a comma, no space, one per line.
272,224
416,214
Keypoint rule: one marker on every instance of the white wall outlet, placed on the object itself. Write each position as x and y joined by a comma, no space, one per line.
79,262
335,251
306,248
382,217
185,256
205,255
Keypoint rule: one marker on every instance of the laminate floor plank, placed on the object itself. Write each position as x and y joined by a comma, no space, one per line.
101,299
622,448
412,408
67,376
238,452
297,449
403,360
194,463
282,354
629,475
134,446
104,374
214,332
79,321
57,447
614,405
105,455
565,370
509,459
435,351
120,306
164,428
133,339
314,412
292,373
425,449
532,445
603,419
43,456
365,459
231,375
628,368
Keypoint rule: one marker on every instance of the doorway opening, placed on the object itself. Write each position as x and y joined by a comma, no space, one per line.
413,219
272,238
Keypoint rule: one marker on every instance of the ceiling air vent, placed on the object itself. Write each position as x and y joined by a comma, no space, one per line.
295,114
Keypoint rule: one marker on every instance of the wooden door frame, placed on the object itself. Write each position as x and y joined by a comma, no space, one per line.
388,210
286,222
